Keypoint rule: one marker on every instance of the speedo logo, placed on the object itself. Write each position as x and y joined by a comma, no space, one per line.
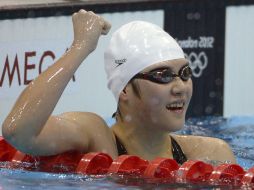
120,61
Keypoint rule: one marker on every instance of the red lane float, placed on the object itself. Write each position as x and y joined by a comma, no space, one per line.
6,150
128,164
194,171
94,163
161,168
63,163
248,177
157,170
19,159
227,173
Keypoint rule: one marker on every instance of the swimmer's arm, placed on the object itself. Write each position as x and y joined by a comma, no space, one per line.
36,103
58,135
79,131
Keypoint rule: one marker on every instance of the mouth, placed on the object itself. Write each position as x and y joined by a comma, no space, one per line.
177,107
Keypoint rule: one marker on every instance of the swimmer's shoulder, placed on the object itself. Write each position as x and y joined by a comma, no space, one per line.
90,122
205,148
84,118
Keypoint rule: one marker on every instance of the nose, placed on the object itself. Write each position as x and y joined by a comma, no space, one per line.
178,86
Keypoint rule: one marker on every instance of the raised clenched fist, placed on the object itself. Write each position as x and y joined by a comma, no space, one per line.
87,29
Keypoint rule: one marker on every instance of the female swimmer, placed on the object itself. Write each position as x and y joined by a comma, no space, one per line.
151,82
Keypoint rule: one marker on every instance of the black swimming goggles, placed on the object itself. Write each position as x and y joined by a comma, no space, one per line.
165,75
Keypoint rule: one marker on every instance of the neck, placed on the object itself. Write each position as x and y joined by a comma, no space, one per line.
143,141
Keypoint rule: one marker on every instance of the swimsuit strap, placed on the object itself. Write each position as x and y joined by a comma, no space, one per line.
120,148
177,152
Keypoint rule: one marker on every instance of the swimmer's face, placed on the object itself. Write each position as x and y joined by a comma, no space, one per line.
163,103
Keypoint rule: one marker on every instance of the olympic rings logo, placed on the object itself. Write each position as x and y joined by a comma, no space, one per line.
197,62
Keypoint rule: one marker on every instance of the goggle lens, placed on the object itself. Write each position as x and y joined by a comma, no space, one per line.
165,75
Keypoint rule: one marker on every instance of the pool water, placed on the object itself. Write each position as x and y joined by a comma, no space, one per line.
237,131
18,179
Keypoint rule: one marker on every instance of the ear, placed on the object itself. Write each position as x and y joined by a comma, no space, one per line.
124,94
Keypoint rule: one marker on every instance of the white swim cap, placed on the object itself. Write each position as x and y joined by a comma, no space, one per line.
132,48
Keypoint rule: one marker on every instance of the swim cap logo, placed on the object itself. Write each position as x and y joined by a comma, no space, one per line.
120,62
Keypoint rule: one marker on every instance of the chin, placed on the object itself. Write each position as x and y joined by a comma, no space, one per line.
177,128
176,125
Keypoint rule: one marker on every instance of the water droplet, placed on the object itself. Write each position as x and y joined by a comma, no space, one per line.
128,118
